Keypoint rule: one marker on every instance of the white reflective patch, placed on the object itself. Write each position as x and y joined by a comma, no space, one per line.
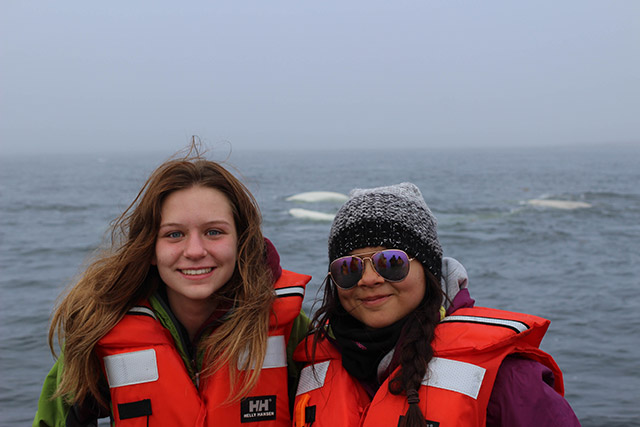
291,291
453,375
142,310
312,377
512,324
276,356
137,367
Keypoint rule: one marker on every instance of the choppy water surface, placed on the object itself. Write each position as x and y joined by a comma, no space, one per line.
577,264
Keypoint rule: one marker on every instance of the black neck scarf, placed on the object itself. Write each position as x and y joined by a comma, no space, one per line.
363,348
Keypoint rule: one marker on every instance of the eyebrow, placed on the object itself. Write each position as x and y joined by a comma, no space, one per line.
206,224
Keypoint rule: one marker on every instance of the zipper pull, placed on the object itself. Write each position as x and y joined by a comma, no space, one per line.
196,372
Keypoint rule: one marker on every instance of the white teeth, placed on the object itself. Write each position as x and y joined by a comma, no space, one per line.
196,272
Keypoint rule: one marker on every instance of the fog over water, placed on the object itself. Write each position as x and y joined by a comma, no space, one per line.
121,75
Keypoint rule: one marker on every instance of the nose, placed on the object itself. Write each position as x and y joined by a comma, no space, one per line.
370,276
194,247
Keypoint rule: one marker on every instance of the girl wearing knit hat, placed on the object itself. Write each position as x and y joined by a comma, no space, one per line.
397,340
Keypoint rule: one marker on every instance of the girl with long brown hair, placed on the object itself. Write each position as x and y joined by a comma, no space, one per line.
185,319
397,342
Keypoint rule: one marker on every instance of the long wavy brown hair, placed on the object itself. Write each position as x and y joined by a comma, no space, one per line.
415,349
119,277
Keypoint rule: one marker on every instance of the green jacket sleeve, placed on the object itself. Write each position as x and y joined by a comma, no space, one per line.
58,412
299,330
52,412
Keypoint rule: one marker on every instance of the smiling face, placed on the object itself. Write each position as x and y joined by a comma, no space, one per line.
196,247
378,303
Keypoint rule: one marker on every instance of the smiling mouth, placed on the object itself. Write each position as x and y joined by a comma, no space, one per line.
196,271
373,299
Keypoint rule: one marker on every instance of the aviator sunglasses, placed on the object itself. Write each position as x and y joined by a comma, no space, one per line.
391,264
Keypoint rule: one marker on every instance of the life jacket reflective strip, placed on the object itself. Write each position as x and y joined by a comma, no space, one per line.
150,385
142,310
469,348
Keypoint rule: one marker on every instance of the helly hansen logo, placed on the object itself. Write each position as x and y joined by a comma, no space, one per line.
258,408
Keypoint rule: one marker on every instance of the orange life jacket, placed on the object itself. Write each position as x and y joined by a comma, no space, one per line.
469,347
150,384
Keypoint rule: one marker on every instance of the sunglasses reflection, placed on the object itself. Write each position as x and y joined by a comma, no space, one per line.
390,264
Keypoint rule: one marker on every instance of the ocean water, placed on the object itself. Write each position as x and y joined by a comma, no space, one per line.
578,265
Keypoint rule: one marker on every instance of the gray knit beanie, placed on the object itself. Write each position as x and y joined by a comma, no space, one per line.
395,217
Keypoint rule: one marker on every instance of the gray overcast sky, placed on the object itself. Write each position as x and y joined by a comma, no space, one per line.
84,75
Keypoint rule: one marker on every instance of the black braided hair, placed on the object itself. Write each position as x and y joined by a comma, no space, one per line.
416,351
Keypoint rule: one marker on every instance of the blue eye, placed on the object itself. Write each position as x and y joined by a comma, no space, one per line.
174,234
213,232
